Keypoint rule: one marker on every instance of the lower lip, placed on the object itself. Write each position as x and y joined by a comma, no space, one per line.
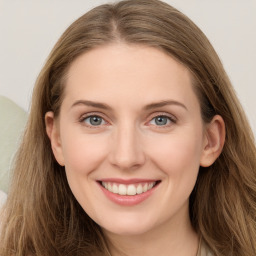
128,200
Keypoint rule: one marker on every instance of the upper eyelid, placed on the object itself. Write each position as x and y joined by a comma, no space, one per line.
160,113
91,114
94,113
172,118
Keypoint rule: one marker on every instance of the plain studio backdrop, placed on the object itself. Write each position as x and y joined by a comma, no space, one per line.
30,28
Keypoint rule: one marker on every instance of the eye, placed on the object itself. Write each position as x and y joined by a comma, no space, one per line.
161,120
94,120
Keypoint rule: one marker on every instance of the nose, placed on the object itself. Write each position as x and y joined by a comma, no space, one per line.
126,150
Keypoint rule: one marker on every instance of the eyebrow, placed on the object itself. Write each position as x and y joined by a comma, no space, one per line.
164,103
147,107
91,104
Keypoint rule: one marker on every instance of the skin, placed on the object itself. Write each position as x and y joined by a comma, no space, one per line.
129,143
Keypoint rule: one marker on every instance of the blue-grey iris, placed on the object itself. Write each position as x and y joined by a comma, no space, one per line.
161,120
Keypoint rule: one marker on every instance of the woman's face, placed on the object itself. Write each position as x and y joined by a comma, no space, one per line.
130,120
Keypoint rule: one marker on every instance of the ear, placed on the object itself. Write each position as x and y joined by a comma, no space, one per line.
52,130
213,141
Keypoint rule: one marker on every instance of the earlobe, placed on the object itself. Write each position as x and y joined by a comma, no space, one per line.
214,141
53,133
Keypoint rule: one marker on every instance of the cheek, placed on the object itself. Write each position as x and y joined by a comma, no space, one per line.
177,154
83,153
178,158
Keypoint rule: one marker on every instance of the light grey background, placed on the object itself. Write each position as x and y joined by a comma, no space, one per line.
30,28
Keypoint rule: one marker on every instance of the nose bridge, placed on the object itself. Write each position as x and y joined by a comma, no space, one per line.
127,151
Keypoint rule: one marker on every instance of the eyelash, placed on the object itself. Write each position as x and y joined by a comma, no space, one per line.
170,119
91,115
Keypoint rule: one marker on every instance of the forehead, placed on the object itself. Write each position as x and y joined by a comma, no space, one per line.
120,71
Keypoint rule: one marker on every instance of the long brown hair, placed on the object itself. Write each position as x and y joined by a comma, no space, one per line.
42,217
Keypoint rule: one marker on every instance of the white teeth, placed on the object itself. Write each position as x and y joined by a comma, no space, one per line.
115,189
104,184
139,189
122,189
150,185
131,189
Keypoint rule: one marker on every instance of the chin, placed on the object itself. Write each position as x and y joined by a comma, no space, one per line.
127,231
128,227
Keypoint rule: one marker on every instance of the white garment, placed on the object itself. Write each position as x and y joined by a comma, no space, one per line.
203,249
3,197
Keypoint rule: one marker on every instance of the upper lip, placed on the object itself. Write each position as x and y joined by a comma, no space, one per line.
127,181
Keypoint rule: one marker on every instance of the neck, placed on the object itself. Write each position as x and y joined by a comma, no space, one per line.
170,238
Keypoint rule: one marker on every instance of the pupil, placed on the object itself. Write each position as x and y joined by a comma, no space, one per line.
161,120
95,120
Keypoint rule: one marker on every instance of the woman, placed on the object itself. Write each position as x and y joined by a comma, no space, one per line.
136,144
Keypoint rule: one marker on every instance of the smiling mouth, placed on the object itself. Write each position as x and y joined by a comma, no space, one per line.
128,189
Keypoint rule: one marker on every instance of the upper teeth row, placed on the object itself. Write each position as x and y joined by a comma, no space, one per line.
129,190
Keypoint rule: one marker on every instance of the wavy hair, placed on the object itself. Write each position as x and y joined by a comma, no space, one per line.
42,217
